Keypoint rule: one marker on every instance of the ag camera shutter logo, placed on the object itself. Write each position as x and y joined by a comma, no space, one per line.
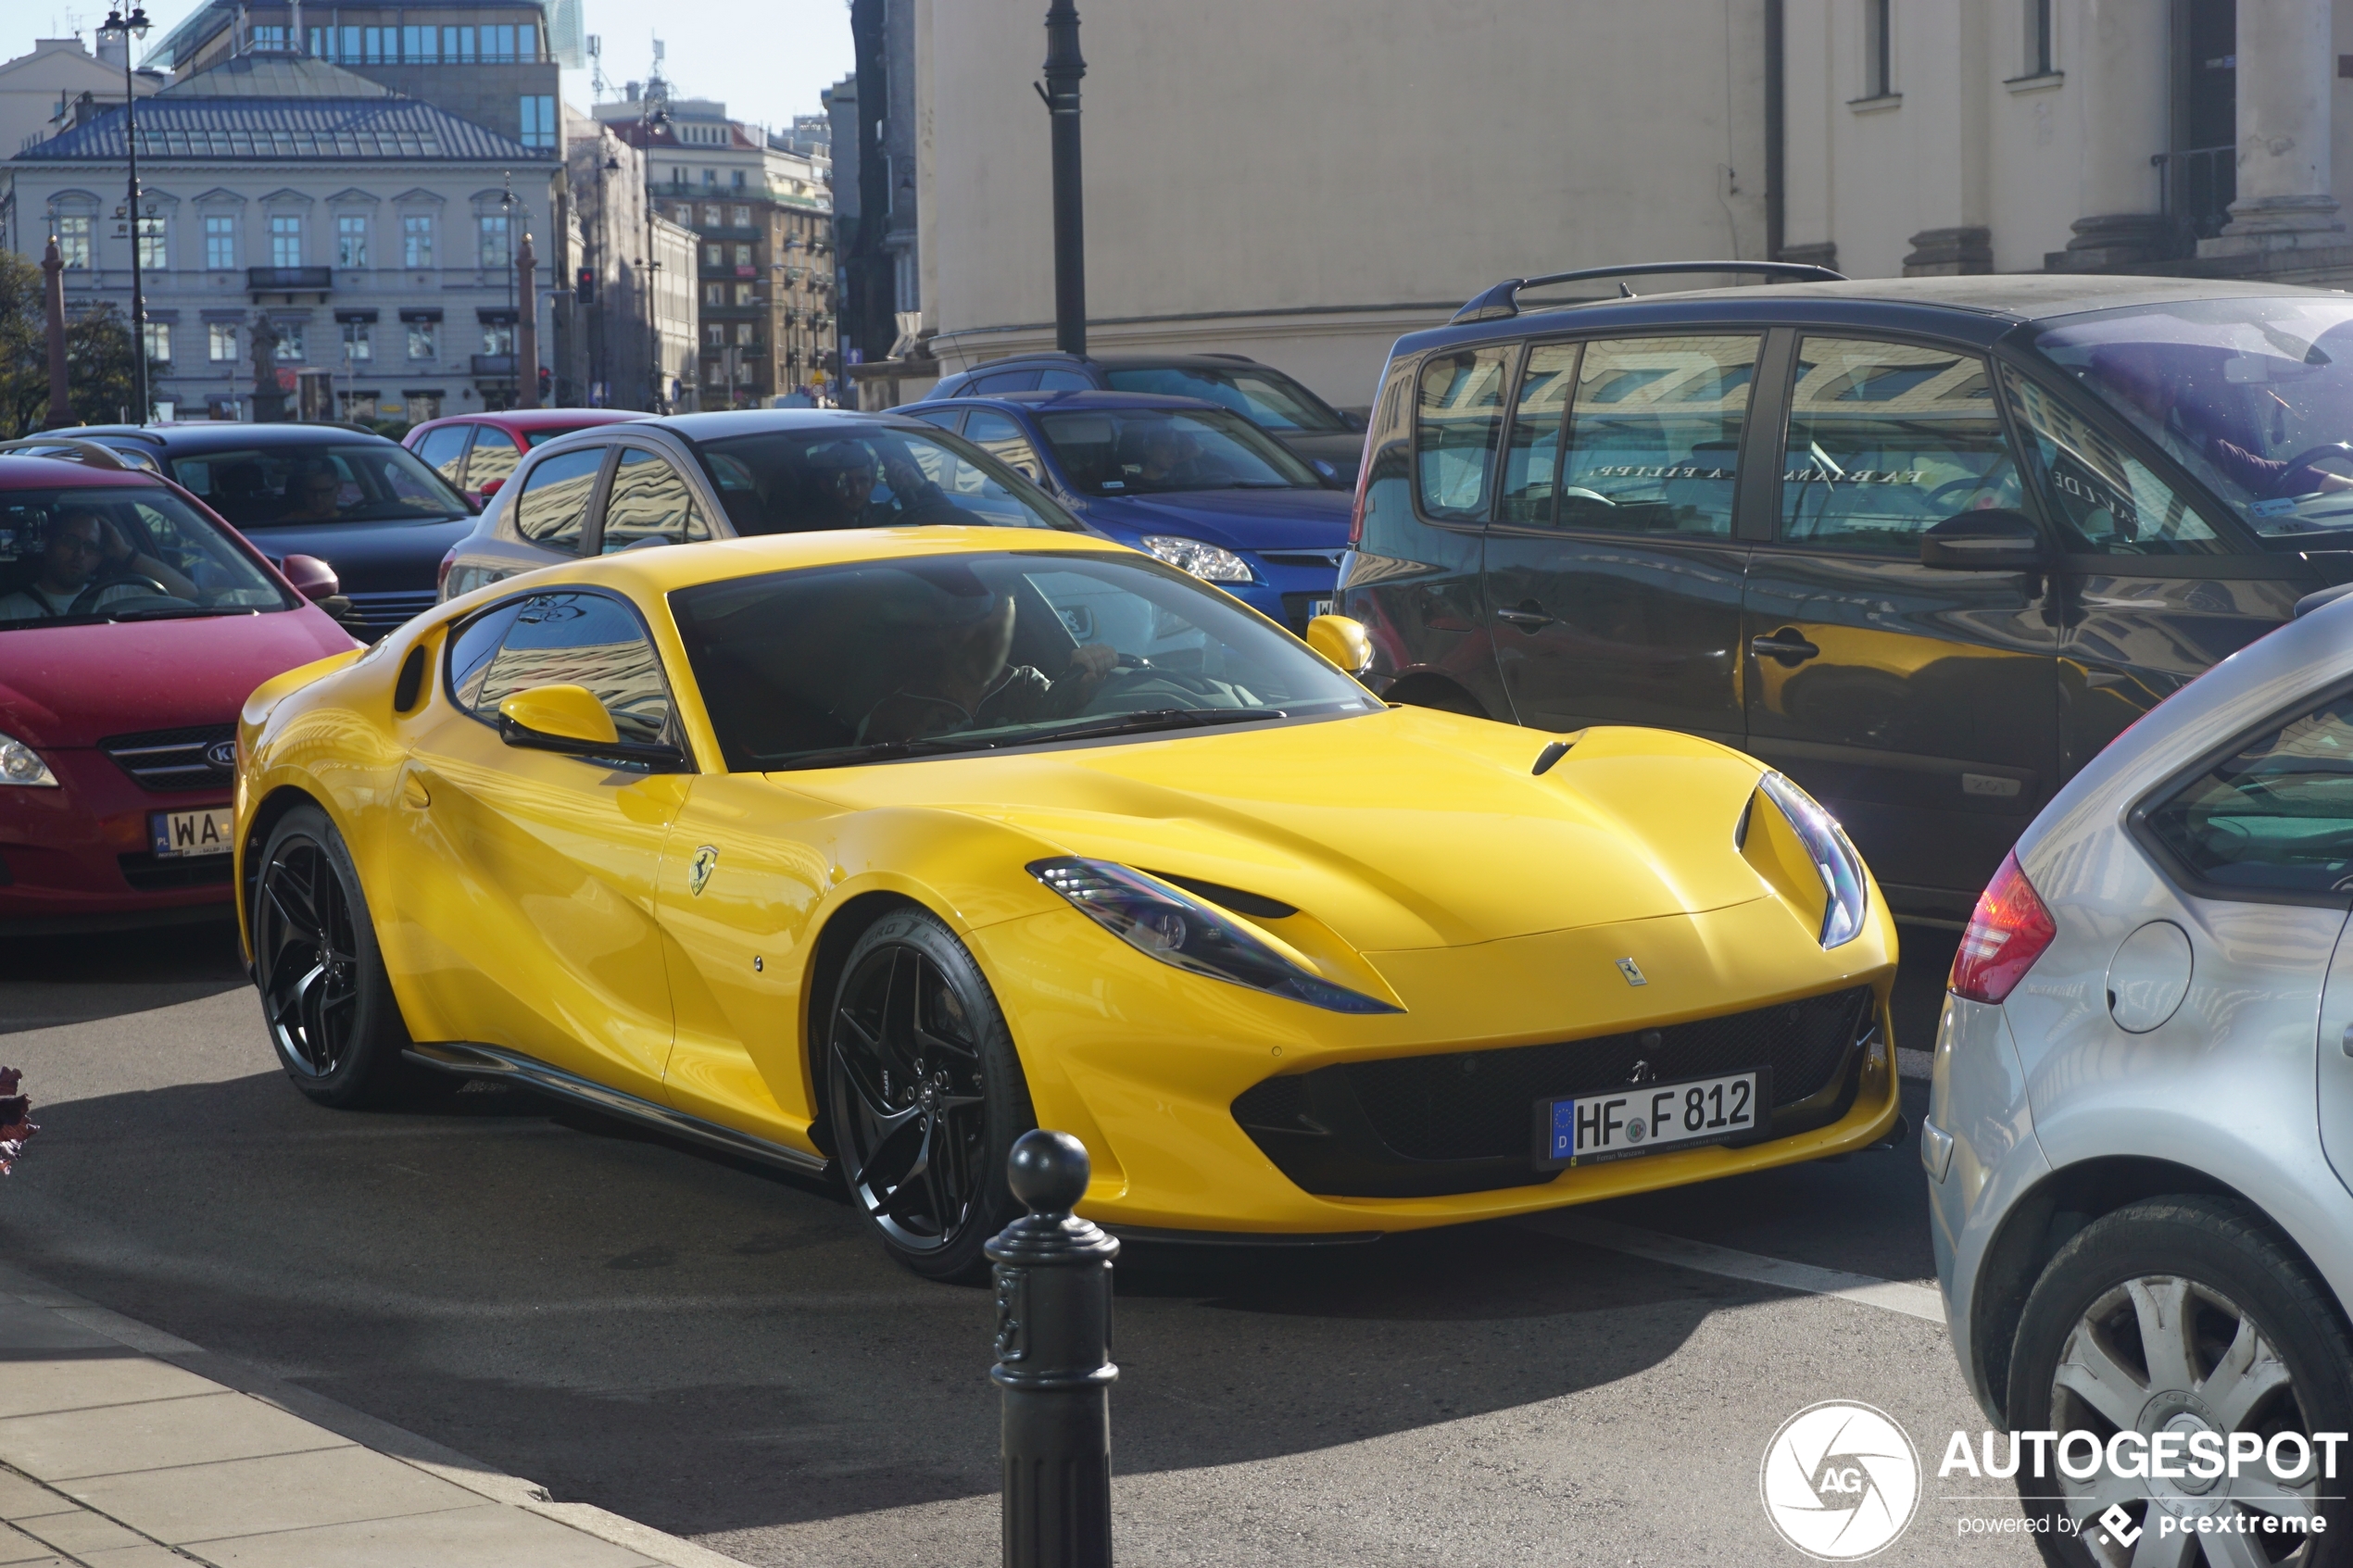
1840,1480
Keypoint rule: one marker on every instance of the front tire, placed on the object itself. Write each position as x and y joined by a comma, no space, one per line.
2182,1314
925,1096
325,997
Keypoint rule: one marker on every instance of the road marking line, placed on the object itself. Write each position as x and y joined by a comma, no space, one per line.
1893,1295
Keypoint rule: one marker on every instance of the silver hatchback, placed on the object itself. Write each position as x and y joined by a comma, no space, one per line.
2140,1131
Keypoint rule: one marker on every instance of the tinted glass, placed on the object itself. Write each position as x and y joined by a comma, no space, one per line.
1267,398
443,450
1064,381
554,502
945,418
1885,442
650,500
1001,439
1456,425
978,650
333,482
2278,815
1533,455
1155,451
2104,500
846,475
574,639
1004,381
2254,397
115,554
1655,436
472,650
495,457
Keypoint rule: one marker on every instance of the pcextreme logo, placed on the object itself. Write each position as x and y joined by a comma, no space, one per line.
1840,1480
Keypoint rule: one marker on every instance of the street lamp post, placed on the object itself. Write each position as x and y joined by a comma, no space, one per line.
135,25
1064,68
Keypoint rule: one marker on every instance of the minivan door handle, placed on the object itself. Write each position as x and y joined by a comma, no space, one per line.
1788,644
1526,615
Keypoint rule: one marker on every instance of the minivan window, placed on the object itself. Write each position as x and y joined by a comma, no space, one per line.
2104,500
1885,441
2276,816
1533,452
1457,420
1655,436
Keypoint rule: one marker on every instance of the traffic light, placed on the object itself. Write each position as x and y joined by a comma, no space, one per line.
546,383
584,287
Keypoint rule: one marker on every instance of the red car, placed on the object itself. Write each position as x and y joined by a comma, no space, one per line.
134,623
477,453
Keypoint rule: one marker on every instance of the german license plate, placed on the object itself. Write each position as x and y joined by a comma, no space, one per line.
181,833
1649,1118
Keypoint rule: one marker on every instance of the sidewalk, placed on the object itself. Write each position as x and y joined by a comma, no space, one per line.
122,1447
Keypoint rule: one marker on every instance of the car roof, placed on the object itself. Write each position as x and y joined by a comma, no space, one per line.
1117,361
213,435
1039,402
721,424
1978,309
538,419
27,472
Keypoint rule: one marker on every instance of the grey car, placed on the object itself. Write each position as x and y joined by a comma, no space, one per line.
2140,1131
697,477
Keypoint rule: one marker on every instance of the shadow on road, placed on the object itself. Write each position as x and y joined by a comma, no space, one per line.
48,981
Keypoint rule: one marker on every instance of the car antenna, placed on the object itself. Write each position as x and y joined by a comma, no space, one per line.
1625,293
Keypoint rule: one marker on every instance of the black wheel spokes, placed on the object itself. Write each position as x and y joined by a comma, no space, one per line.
310,971
914,1098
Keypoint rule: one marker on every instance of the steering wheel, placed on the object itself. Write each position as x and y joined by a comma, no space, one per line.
86,601
1196,684
1131,661
2303,460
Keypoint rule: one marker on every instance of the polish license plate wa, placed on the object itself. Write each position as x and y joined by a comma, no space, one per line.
178,834
1638,1119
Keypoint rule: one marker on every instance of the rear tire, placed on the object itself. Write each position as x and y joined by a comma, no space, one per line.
325,997
925,1095
2184,1314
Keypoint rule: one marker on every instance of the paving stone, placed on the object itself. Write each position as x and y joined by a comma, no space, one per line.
19,1499
31,1387
80,1532
20,1551
206,1502
147,1556
484,1536
70,1444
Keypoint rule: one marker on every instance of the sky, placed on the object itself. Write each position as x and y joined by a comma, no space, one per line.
766,59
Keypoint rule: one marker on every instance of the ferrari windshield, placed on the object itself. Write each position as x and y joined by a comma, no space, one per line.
2253,396
855,475
884,660
99,553
1150,451
332,482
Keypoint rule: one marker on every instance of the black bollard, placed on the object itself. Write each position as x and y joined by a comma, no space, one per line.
1053,1362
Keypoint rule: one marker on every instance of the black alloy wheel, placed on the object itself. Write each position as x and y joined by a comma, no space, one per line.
325,997
927,1095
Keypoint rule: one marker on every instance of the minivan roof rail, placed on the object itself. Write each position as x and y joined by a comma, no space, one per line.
73,449
1503,300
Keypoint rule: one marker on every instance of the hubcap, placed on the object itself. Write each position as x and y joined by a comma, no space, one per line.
304,939
909,1102
2162,1354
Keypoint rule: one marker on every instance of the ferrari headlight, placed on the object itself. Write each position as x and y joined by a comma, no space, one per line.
1207,562
1186,934
20,764
1846,891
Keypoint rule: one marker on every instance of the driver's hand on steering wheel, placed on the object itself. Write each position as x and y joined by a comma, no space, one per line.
1093,662
2335,481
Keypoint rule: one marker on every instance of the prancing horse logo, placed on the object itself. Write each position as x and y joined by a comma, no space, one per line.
706,858
1632,971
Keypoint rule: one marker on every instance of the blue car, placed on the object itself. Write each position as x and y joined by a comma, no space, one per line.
1179,478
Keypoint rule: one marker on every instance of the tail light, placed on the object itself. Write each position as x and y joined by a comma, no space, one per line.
2007,931
441,577
1356,512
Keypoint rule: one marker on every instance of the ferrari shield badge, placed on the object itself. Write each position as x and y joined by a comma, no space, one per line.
1627,967
707,858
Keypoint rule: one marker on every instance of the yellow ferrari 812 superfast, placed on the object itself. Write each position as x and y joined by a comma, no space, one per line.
872,850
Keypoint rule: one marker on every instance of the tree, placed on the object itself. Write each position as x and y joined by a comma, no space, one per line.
98,356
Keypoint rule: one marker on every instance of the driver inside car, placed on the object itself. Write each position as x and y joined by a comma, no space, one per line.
962,681
84,548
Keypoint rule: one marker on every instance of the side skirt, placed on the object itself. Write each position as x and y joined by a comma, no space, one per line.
471,1060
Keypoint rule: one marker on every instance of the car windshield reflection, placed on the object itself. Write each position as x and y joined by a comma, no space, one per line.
1157,451
115,554
811,479
331,482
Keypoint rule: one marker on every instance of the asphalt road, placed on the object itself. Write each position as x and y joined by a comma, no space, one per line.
718,1351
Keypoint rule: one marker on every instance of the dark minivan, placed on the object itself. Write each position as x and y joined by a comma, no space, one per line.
1924,545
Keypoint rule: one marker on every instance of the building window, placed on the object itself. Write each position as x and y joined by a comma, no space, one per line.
1878,53
286,240
221,341
416,241
457,45
74,242
711,218
421,45
153,254
714,294
714,335
743,293
497,337
736,180
743,333
497,45
2042,51
219,242
711,179
351,240
710,255
358,341
743,257
494,235
290,350
270,37
422,336
157,337
681,212
538,122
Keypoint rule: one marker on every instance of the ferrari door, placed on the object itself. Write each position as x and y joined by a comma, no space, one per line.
529,878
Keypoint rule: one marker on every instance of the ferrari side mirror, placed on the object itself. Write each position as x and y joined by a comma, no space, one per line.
569,720
1341,640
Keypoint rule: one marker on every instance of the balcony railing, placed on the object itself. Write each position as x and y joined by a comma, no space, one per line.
494,365
290,280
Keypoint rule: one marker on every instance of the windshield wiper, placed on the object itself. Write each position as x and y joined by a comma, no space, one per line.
1140,722
181,612
887,751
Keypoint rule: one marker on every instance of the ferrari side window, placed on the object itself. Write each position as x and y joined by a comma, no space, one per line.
580,639
471,649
